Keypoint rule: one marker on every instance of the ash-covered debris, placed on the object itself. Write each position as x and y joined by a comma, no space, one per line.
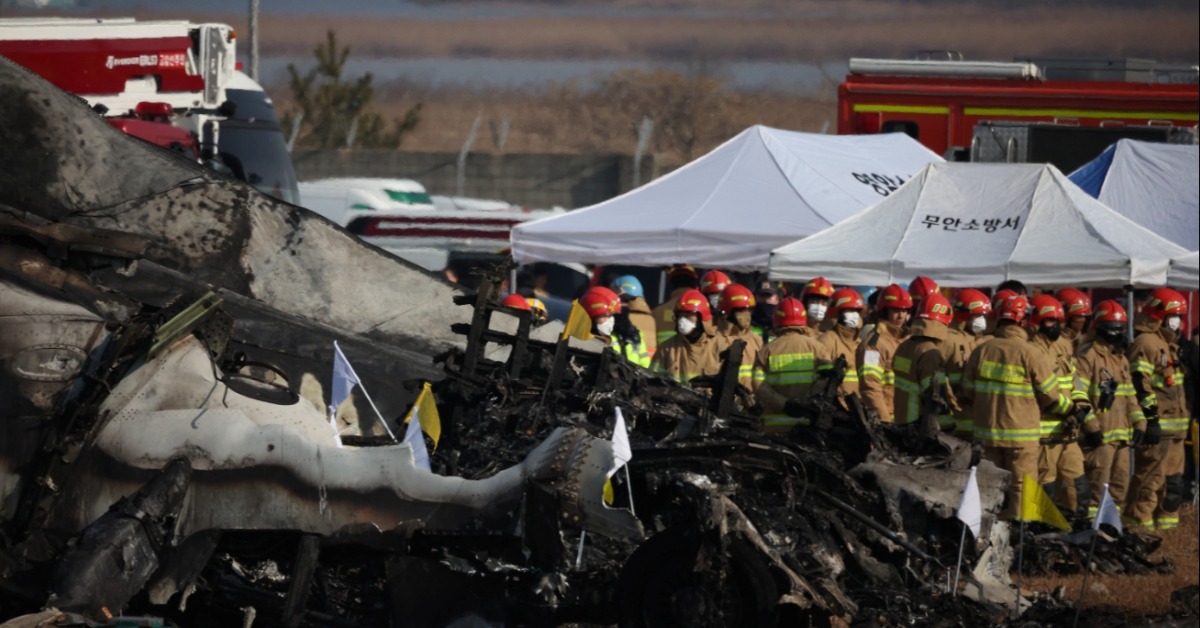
1066,553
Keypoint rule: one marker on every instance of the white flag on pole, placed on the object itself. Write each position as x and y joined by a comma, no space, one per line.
970,511
344,381
1108,513
622,452
416,440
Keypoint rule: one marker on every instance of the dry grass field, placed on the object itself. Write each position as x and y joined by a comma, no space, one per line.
693,114
1137,596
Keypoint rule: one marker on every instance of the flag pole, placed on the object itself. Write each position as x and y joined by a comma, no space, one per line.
368,396
629,487
1020,567
579,555
1087,570
958,569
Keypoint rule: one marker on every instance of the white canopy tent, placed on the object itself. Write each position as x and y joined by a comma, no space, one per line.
728,209
966,224
1185,272
1155,185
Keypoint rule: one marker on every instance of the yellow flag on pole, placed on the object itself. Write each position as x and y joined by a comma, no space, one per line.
579,324
427,414
1036,505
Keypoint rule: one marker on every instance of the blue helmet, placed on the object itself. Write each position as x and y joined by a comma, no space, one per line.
627,285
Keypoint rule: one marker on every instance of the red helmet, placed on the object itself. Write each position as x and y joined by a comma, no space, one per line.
682,270
922,287
971,302
935,307
600,301
1013,308
693,302
790,313
1165,302
893,296
515,301
736,296
817,287
713,282
1110,312
846,299
1046,307
1075,302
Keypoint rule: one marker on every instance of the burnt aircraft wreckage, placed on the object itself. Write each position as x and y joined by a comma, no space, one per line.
157,457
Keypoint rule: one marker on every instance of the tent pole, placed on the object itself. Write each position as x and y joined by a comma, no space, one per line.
662,286
1129,311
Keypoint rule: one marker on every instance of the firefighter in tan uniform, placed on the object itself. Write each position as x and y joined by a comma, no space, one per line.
694,351
876,379
1158,380
921,386
681,278
1060,460
788,368
736,304
633,300
1009,383
712,284
967,331
1102,373
841,340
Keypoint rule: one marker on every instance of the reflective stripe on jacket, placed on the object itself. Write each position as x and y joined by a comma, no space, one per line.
636,353
1008,382
1058,354
962,344
1152,354
1096,363
876,379
754,344
843,342
787,368
643,318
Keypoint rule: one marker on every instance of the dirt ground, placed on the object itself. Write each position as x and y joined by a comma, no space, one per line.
1136,596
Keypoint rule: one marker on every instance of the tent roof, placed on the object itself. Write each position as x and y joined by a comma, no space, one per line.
966,224
1155,185
1185,272
761,189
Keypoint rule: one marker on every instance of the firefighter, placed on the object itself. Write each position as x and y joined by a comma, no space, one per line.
1059,455
1078,309
1009,383
737,303
694,351
786,370
815,295
680,278
1158,380
1102,373
841,340
968,330
764,313
712,284
611,327
876,380
633,299
921,388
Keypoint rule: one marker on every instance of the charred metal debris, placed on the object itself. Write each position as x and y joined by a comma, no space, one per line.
123,503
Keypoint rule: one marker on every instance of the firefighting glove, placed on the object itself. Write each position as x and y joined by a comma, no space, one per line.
1150,412
1153,432
1093,440
1139,437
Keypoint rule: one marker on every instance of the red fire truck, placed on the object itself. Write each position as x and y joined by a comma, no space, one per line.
172,83
945,104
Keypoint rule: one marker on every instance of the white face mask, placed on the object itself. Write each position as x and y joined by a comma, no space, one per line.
852,320
978,325
1173,323
816,311
606,327
684,326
